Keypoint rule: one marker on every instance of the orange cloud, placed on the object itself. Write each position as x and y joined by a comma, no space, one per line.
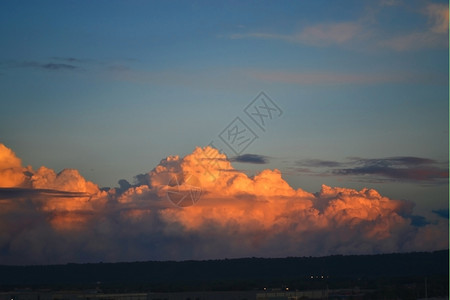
265,206
233,215
68,212
63,210
11,171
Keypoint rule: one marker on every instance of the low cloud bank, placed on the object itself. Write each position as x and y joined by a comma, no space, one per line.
195,208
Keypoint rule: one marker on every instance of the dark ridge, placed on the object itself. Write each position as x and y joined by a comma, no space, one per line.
230,274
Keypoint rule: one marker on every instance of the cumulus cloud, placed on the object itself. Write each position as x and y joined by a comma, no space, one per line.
195,207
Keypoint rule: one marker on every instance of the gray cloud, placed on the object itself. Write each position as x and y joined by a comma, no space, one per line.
58,66
403,168
418,221
250,158
45,66
73,60
398,160
441,213
52,64
409,168
318,163
11,193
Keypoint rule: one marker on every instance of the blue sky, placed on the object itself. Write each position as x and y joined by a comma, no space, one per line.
112,87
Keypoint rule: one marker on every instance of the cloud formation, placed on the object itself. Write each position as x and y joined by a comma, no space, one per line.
366,30
406,168
339,78
46,66
442,213
49,217
435,35
250,158
65,64
324,34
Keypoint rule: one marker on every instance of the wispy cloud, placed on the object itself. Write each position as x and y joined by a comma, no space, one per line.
46,66
332,78
390,2
73,60
57,63
402,168
317,163
438,17
415,41
325,34
442,213
365,31
11,193
405,168
329,34
434,36
339,78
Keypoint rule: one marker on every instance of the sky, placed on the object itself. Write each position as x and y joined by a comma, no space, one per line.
153,130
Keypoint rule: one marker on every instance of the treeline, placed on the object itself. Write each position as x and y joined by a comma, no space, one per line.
235,274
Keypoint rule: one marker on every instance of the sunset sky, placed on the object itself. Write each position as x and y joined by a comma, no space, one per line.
105,105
